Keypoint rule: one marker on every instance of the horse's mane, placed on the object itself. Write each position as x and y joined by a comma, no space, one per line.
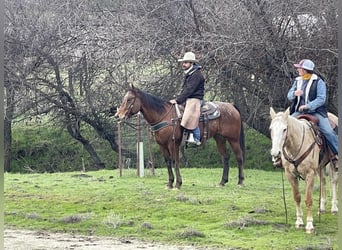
152,102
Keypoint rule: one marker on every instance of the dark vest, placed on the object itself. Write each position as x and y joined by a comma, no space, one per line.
312,95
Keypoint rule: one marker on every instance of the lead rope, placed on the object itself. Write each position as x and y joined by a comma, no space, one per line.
320,194
174,125
284,200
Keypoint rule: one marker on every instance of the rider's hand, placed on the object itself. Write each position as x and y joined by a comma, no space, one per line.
298,92
173,101
302,108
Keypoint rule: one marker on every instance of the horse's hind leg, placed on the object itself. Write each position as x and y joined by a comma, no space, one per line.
322,185
333,176
222,149
239,159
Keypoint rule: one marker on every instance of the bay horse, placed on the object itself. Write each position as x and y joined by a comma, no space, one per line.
298,147
163,118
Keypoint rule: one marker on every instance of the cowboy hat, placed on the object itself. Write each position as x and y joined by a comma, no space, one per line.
188,57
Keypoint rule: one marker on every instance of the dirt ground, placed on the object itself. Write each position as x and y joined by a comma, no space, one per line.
39,240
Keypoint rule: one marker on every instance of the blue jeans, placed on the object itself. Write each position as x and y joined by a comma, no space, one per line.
197,134
196,131
327,131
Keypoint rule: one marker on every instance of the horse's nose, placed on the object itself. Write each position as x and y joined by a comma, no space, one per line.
121,114
275,154
118,113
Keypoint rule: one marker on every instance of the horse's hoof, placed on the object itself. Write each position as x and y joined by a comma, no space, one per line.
176,188
299,225
310,230
334,212
168,187
322,211
221,184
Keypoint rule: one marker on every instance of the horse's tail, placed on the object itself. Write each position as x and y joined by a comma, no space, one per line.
242,135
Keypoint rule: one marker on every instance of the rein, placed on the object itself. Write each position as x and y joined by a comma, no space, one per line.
299,160
154,126
161,119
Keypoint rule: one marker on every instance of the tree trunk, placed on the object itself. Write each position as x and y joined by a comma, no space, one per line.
74,131
10,93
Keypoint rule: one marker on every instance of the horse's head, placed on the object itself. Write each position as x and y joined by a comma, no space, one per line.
130,104
278,131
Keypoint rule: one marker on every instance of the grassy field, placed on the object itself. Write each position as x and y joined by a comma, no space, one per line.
200,214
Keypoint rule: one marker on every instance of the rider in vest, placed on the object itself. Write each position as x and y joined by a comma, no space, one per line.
192,95
308,95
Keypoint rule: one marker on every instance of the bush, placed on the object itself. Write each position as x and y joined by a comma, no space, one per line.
50,149
257,154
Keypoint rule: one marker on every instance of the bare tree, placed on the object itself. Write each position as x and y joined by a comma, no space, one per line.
74,60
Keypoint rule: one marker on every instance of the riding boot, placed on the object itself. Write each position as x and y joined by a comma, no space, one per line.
191,139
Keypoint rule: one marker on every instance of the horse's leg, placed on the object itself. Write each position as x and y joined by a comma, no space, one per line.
310,179
239,158
183,157
222,149
322,185
168,162
178,175
176,164
297,198
333,176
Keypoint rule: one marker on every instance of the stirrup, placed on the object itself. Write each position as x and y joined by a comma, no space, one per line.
334,161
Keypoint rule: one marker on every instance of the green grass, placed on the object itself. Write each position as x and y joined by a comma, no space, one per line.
201,213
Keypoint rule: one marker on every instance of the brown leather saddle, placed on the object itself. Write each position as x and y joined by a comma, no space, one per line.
209,111
320,139
314,120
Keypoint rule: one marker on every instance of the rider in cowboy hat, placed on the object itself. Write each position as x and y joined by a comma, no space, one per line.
192,95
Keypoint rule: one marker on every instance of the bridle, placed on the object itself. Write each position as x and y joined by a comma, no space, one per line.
155,125
130,107
297,160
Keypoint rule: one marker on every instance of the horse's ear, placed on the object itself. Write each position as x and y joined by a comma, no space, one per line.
133,88
287,111
272,112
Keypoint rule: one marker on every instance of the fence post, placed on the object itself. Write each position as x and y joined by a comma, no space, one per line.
120,152
140,149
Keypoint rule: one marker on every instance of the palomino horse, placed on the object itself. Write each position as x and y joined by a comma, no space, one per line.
295,143
165,124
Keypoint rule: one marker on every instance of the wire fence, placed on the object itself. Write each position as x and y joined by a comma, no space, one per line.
137,148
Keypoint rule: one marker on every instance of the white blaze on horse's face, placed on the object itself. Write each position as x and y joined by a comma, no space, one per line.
130,105
278,130
124,107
